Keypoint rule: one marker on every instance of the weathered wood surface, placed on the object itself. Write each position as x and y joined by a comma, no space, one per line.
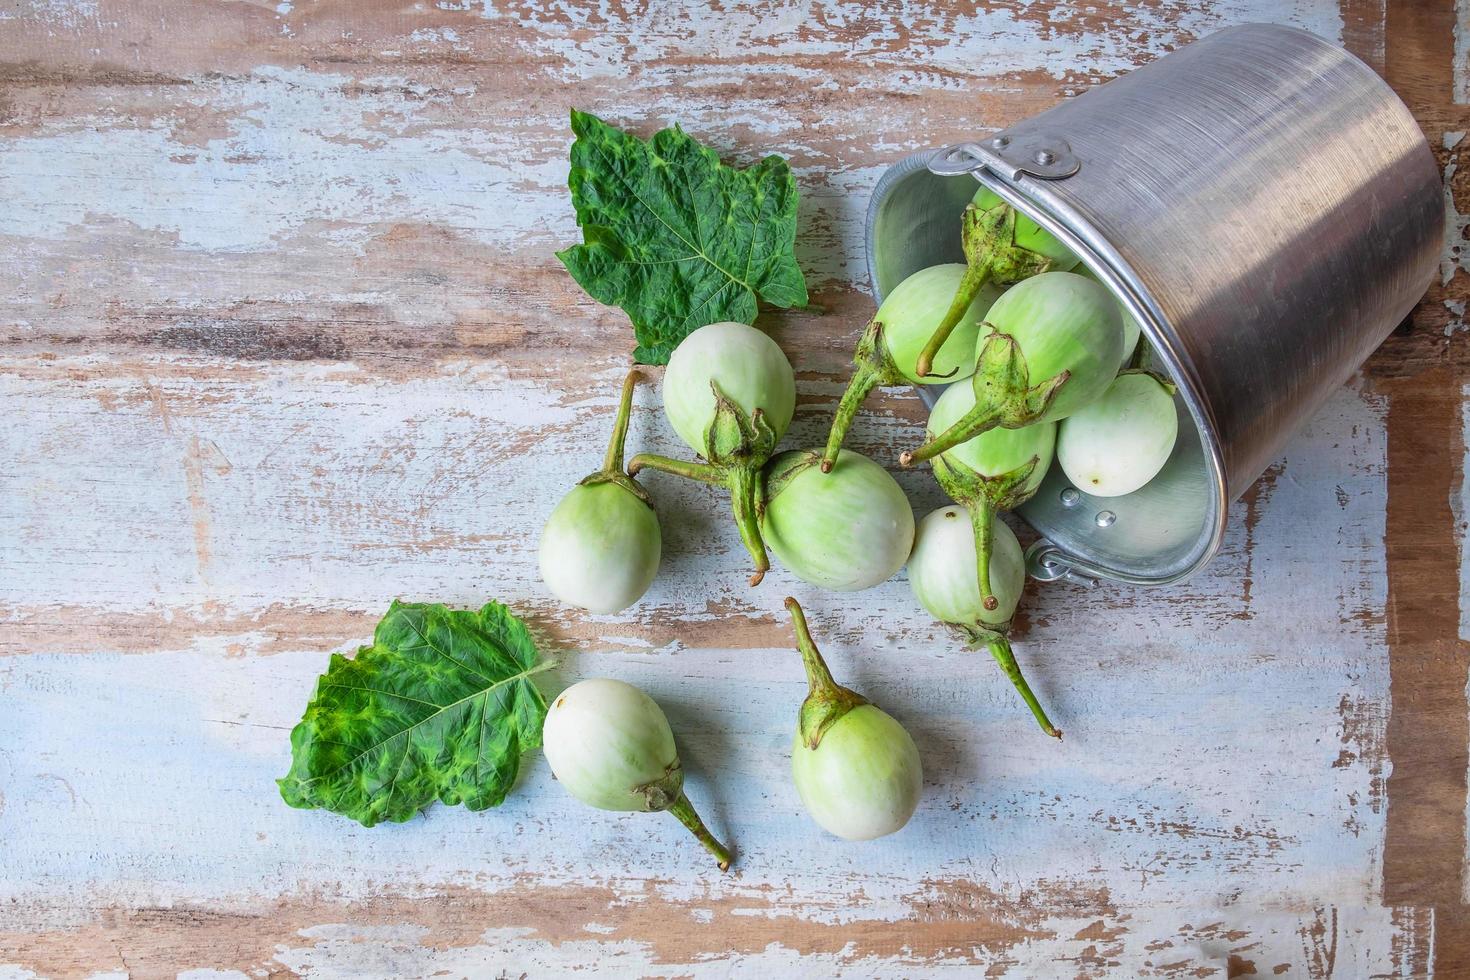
284,338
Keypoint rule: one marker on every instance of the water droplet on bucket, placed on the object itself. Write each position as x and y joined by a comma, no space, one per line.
1070,497
1105,518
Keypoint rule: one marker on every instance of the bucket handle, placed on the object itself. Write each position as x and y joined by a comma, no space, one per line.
1034,153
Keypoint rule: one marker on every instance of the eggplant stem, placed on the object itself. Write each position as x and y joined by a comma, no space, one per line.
684,811
702,472
982,519
1000,649
985,496
988,238
744,483
978,420
872,366
1004,396
818,677
971,283
826,700
863,381
613,461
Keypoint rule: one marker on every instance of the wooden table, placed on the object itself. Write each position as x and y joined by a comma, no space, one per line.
285,339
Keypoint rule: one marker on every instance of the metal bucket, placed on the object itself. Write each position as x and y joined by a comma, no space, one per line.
1264,205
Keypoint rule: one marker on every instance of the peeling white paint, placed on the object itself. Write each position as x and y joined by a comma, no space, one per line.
1207,777
986,43
301,150
1457,316
432,35
1185,782
61,13
335,161
1461,68
1454,256
430,490
1460,506
345,952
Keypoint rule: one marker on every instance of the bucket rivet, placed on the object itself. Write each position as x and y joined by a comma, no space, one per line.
1105,518
1001,142
1045,157
1071,497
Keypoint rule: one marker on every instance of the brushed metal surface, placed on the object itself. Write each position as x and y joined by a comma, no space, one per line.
1265,205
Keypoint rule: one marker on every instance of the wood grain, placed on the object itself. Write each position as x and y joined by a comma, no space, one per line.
1428,737
282,337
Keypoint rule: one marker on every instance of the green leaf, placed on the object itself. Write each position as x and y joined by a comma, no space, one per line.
441,706
676,238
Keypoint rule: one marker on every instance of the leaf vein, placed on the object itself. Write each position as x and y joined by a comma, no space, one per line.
698,249
521,675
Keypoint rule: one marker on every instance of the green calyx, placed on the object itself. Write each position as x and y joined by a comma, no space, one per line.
662,792
988,237
791,466
999,646
735,438
1004,396
982,496
1142,362
738,445
612,464
1163,382
872,367
826,701
667,793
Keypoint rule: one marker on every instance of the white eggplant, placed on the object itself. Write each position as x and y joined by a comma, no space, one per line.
845,530
729,393
889,347
610,745
942,574
1002,247
1120,442
1054,343
856,768
600,548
